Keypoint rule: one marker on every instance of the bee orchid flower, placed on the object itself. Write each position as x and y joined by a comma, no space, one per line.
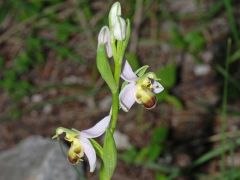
79,142
142,89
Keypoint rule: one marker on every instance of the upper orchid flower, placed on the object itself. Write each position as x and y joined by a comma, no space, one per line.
140,89
116,22
79,141
104,38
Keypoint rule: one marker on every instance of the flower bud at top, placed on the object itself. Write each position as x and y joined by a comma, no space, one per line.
104,38
115,11
116,22
119,29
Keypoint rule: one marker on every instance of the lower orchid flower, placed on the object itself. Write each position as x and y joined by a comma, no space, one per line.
80,144
141,89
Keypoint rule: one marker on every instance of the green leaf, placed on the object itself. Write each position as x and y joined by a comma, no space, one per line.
105,69
141,156
158,138
162,96
168,75
235,57
154,152
64,30
129,155
177,38
34,50
160,176
109,155
195,41
22,63
217,152
159,135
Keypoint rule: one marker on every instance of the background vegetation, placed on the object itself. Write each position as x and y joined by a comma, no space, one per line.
48,79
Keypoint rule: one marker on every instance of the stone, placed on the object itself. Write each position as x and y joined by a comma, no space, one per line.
37,98
105,103
202,70
121,140
35,158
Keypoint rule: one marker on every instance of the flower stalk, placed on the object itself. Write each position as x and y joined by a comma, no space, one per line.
137,87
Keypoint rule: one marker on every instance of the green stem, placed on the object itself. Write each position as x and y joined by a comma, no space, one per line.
115,110
232,23
118,53
224,108
115,96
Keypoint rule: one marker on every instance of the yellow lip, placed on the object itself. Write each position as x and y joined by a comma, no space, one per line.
75,152
146,97
151,103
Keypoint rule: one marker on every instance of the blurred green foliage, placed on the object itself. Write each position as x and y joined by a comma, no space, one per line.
149,153
32,56
192,41
168,75
33,51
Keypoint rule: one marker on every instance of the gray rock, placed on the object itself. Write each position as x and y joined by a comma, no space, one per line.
35,158
121,140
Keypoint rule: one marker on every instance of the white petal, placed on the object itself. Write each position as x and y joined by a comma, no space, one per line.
89,151
96,130
119,29
104,38
109,48
127,96
128,74
103,35
114,12
157,87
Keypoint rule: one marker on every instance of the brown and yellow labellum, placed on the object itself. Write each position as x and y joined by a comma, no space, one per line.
146,97
146,82
75,152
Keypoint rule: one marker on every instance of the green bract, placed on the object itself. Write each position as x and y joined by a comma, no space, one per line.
105,69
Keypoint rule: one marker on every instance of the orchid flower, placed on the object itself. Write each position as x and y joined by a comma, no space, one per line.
139,89
104,38
79,141
116,22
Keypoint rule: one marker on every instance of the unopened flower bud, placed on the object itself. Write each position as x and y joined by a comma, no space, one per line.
119,29
115,12
104,38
